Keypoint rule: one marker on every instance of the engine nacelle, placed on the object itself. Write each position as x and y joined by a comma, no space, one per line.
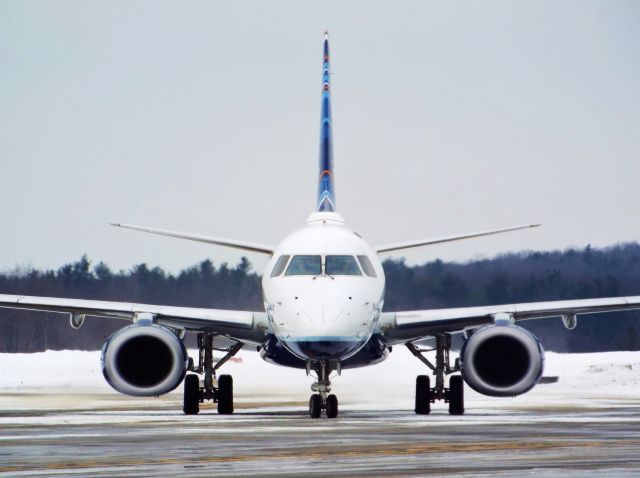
144,360
502,360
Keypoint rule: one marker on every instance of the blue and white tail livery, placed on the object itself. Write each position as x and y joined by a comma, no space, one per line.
326,194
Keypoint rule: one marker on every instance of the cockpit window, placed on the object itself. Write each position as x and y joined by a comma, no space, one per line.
342,266
279,267
367,267
304,266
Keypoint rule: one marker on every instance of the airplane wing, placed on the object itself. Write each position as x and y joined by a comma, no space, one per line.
246,246
403,327
247,327
438,240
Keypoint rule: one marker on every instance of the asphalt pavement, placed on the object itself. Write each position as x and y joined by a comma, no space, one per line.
58,434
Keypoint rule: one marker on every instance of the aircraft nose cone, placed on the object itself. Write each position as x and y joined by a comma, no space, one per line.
328,334
323,316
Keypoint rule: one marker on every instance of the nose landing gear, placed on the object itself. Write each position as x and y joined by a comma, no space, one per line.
322,400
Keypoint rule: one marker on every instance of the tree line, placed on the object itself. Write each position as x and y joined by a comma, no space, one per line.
508,278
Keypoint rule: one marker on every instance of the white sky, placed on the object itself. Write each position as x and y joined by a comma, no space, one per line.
204,117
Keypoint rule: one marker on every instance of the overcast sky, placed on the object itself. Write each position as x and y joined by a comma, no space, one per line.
204,117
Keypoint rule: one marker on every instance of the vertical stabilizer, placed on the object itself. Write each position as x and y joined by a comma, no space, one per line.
326,195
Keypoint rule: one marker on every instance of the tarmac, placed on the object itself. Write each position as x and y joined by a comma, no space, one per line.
105,434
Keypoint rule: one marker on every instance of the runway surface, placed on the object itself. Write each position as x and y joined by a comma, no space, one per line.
118,439
59,418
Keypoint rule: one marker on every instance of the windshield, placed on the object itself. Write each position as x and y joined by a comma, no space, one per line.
367,267
342,266
279,267
304,266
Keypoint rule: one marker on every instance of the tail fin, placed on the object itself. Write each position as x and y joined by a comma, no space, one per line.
326,197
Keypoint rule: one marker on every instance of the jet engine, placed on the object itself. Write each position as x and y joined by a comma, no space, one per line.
144,360
502,360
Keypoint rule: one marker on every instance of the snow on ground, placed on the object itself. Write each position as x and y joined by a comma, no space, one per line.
607,377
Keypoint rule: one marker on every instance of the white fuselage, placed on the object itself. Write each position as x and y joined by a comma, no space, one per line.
329,313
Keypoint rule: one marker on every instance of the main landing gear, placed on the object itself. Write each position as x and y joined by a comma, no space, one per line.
222,392
425,394
322,400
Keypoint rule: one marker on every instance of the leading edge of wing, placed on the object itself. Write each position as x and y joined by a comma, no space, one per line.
410,325
236,324
247,246
438,240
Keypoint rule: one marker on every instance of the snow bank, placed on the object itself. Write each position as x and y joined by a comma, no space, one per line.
605,376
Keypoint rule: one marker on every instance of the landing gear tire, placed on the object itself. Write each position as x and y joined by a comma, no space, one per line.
315,406
224,394
332,406
456,395
191,404
423,395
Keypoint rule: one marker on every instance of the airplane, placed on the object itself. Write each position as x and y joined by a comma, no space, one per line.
323,289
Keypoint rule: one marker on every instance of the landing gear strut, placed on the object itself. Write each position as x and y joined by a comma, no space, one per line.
322,400
220,393
425,394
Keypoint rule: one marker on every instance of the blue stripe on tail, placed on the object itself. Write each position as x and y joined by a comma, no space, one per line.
326,197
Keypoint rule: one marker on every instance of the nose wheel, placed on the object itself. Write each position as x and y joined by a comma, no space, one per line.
317,405
331,406
323,400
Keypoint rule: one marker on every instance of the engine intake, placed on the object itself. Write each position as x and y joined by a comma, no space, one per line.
502,360
144,360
